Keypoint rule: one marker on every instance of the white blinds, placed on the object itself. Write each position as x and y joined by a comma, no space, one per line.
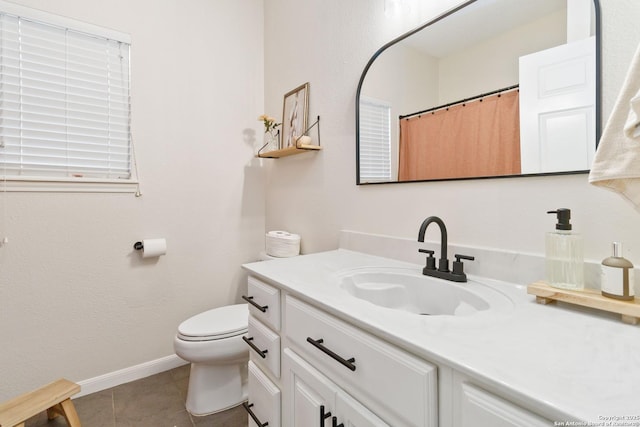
375,141
64,102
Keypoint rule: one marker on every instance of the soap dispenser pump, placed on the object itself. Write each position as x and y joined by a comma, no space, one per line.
564,254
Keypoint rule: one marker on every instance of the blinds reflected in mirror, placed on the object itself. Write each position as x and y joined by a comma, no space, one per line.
375,140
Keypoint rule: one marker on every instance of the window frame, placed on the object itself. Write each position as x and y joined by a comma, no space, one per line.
72,184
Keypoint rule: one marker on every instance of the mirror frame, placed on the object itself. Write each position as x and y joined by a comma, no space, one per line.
598,88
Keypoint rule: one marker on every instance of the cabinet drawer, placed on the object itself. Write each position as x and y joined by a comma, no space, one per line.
265,346
264,399
479,408
401,388
264,302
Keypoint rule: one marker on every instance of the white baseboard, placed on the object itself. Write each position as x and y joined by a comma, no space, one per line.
129,374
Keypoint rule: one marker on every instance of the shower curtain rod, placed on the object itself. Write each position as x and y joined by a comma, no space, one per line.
505,89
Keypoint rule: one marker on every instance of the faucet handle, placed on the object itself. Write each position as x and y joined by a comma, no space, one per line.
431,261
458,266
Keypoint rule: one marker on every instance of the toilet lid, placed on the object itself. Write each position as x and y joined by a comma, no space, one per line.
217,323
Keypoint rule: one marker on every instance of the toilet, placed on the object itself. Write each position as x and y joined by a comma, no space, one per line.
212,342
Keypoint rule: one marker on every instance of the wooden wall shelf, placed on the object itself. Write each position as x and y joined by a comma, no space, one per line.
276,154
299,147
545,294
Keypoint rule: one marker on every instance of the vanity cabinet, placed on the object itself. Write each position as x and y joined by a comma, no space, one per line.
310,368
315,363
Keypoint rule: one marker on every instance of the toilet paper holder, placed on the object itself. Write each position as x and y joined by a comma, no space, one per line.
151,248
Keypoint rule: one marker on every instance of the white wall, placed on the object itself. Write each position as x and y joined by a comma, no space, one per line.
405,77
493,63
75,300
315,194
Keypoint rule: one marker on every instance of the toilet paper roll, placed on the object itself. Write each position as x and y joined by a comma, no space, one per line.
282,244
304,140
153,247
263,256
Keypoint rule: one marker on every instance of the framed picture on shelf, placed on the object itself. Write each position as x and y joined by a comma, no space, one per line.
295,111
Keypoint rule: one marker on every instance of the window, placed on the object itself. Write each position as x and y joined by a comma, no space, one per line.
375,140
64,99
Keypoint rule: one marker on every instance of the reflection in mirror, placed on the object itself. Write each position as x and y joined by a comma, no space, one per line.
492,88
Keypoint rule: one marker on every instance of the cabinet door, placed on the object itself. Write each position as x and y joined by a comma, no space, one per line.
352,414
479,408
309,398
312,400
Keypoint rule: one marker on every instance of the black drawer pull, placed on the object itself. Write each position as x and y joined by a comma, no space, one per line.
349,363
262,353
262,308
248,406
323,415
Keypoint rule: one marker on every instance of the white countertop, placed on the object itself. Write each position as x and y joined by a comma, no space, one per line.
565,362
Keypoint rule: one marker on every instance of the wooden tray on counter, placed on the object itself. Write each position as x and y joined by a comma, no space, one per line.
545,294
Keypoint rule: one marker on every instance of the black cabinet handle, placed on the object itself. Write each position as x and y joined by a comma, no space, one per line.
262,353
248,406
262,308
334,422
323,415
349,363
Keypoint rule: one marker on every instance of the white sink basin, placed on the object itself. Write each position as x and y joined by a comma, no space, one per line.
409,291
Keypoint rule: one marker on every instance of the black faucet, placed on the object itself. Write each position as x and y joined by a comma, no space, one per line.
442,272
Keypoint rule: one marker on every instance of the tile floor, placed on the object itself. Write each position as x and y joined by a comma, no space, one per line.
155,401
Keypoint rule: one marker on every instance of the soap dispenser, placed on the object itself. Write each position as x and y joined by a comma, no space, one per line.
564,254
617,275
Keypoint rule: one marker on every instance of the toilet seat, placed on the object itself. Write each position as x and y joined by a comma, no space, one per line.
215,324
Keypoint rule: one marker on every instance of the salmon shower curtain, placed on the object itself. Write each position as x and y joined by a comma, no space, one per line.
478,138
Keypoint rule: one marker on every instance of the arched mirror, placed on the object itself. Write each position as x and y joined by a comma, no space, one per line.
493,88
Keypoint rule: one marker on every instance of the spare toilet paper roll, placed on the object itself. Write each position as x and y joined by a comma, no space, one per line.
153,247
304,140
263,256
282,244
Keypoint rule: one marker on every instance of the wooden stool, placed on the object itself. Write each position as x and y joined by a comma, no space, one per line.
55,398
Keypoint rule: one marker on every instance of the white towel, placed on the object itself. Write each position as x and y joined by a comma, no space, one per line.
616,165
